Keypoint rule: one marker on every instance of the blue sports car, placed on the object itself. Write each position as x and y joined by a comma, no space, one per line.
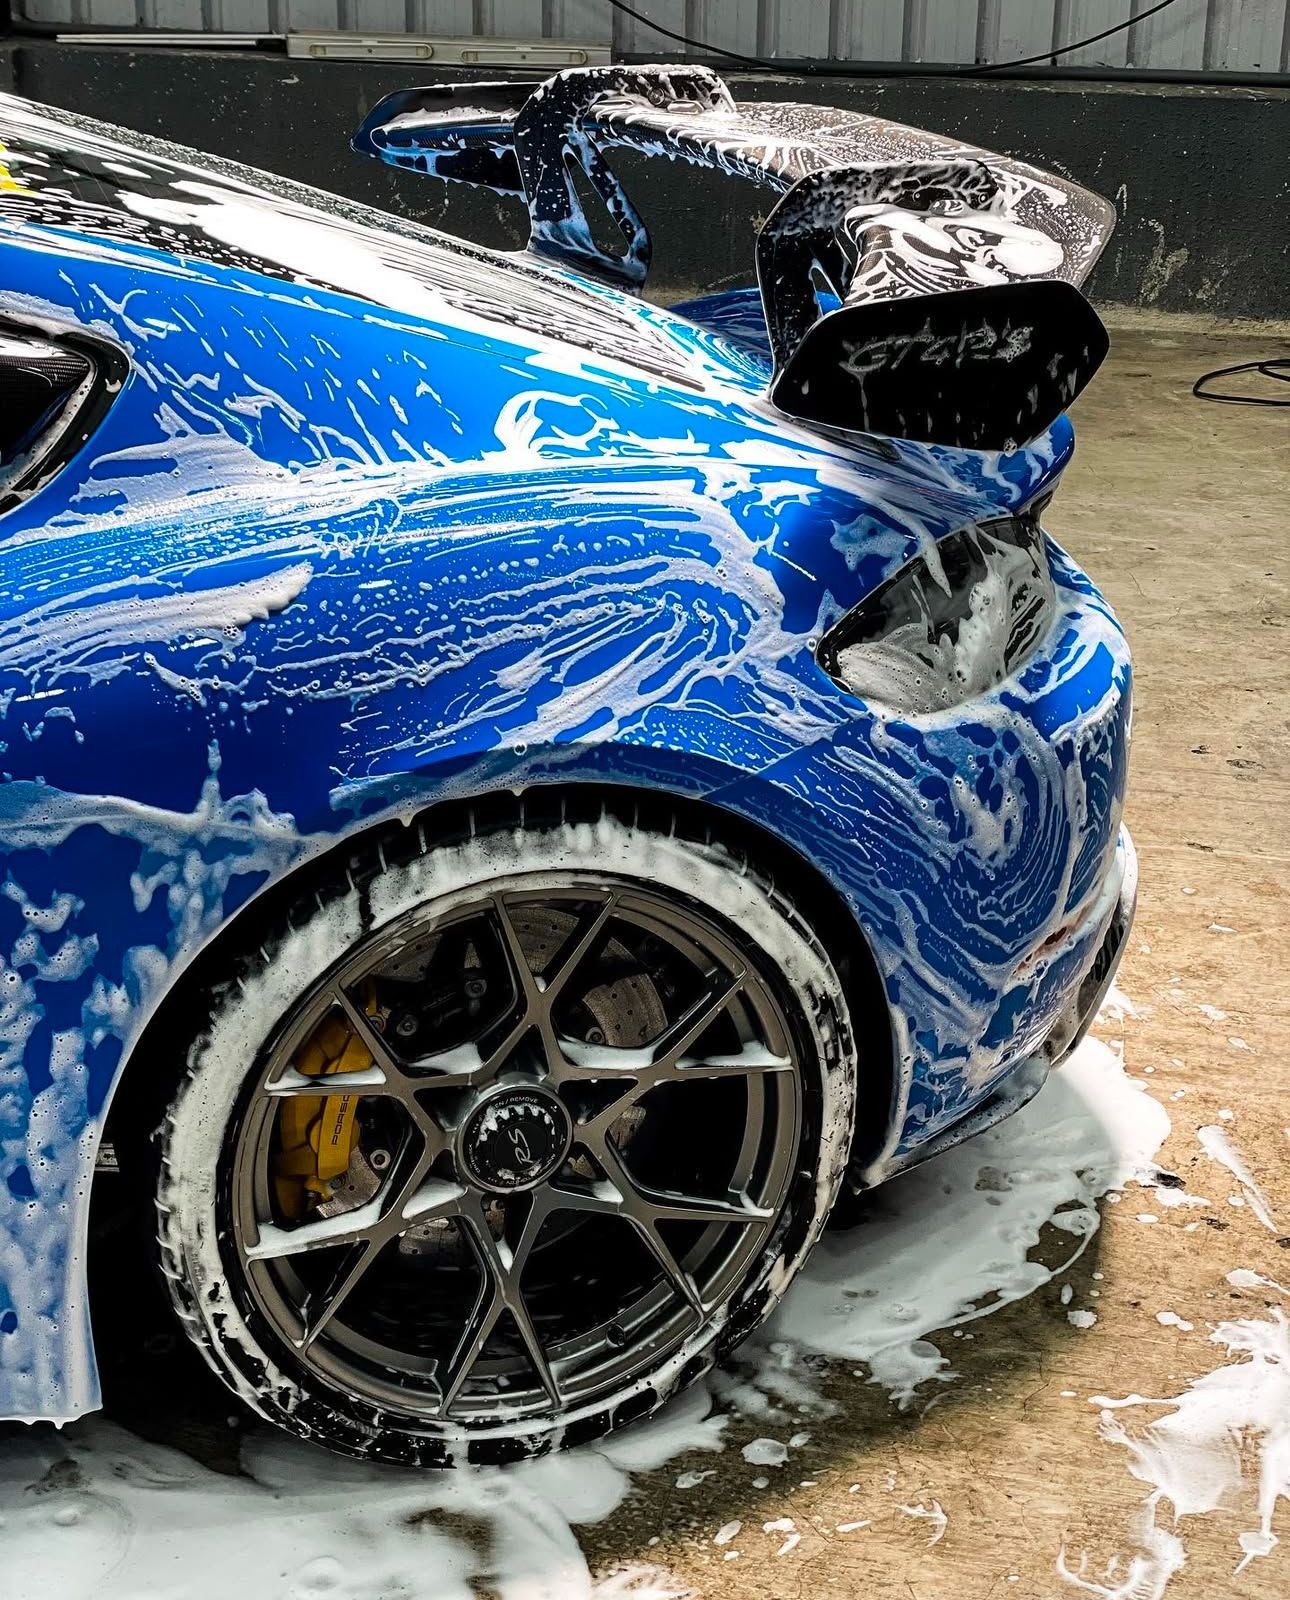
516,798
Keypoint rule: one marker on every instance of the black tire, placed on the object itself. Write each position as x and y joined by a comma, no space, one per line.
236,1305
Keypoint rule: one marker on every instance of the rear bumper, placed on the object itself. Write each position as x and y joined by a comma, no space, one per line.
1077,1018
1111,917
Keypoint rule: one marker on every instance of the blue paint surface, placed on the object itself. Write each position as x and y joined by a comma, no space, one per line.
377,518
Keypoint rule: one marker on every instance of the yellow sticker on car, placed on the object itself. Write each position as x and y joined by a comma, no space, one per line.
8,183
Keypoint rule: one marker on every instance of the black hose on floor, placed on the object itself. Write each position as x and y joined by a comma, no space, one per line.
1276,368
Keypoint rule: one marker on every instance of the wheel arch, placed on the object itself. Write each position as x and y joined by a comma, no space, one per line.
138,1098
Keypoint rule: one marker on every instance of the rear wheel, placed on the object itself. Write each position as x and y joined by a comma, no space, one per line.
501,1145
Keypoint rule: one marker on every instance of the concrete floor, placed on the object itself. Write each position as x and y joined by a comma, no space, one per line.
1179,509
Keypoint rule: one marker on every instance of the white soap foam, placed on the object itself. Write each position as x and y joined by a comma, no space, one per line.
765,1453
953,1241
1193,1457
96,1514
1244,1278
1218,1147
934,1514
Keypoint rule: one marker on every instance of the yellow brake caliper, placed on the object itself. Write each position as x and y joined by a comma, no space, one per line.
316,1132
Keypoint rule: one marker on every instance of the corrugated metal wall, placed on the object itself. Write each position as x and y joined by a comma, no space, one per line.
1191,35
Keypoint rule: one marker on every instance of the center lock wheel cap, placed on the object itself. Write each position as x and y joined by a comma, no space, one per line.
515,1139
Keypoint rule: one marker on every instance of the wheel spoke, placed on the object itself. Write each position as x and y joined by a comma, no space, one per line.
654,1205
529,987
534,1007
501,1053
667,1207
470,1345
638,1070
576,948
447,1068
453,1068
501,1267
431,1201
664,1059
750,1061
581,1062
289,1083
634,1199
367,1229
416,1198
371,1038
645,1208
689,1028
385,1075
351,1273
672,1269
618,1196
350,1227
538,995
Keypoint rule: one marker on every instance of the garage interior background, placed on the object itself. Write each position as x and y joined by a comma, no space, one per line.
1182,118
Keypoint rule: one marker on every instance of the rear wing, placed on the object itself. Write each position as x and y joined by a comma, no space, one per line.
912,285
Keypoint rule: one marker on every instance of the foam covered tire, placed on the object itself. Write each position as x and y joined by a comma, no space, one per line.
599,1086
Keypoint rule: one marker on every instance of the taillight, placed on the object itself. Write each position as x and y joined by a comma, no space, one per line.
950,625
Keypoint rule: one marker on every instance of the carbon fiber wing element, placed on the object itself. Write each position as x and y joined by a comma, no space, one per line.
872,214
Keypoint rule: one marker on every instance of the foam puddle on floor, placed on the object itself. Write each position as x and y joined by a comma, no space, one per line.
951,1241
1193,1456
96,1512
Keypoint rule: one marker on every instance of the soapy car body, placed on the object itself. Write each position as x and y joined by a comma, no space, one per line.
340,523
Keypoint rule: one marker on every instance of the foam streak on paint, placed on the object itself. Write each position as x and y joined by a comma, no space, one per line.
187,862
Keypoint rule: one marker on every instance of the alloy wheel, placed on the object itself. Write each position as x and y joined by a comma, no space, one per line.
570,1111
